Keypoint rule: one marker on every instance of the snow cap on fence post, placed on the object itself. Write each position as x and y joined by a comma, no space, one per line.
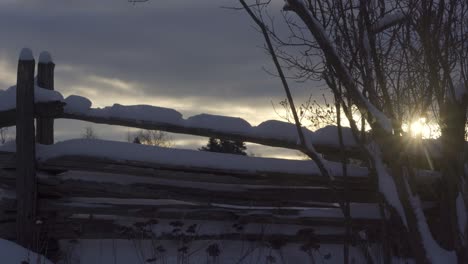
26,55
45,57
26,189
45,79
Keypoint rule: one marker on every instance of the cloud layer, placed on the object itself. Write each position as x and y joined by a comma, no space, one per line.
189,55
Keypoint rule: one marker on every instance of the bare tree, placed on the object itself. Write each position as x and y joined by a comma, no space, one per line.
89,133
150,137
394,61
318,113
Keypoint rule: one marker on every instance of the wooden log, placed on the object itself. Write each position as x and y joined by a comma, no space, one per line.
200,196
247,195
140,211
146,179
420,152
81,220
357,185
41,110
25,152
7,160
258,184
45,79
134,167
104,169
57,209
95,228
205,132
188,212
200,193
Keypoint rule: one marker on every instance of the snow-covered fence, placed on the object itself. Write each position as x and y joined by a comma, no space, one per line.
93,184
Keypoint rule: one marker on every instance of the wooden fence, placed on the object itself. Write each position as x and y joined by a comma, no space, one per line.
67,196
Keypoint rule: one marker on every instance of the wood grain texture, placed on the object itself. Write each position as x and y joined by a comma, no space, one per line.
25,156
45,126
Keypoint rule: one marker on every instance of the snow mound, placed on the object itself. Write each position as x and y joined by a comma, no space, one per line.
216,122
141,112
77,104
8,97
46,95
288,131
26,55
329,135
283,131
45,57
277,129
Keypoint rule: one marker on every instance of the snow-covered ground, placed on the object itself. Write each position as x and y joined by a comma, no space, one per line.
172,252
11,253
120,251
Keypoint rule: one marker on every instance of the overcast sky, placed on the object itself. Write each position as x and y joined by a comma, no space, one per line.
193,56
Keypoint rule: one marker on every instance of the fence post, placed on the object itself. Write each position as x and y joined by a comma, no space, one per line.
45,79
25,152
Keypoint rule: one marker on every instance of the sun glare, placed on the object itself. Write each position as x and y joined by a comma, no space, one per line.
419,128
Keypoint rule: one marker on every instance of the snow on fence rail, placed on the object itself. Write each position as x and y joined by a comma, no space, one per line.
51,105
271,133
94,183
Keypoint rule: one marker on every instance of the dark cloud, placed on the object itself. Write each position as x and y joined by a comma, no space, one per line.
176,48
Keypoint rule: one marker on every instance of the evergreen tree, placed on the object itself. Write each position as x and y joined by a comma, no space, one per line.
225,146
136,140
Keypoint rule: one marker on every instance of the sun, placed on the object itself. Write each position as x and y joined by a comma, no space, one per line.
419,128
